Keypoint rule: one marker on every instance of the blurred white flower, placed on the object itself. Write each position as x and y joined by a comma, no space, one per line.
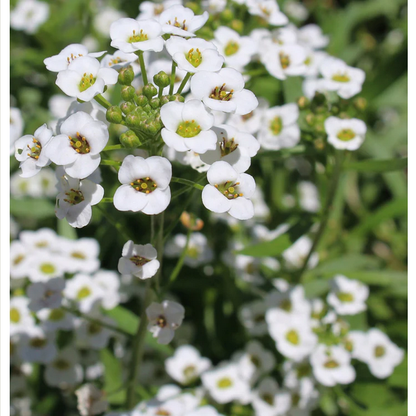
91,400
37,346
309,196
83,254
252,316
16,127
46,294
28,15
296,254
21,319
54,319
267,10
105,17
346,134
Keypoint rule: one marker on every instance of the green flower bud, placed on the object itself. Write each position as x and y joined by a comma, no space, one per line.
161,79
164,100
177,97
319,99
141,100
127,107
126,75
237,25
128,92
360,103
133,119
153,128
147,108
149,91
130,140
155,103
227,15
114,115
303,103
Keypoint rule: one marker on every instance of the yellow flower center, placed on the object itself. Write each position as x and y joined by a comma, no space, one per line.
86,81
268,398
14,315
188,129
47,268
229,189
379,351
80,144
284,60
74,197
139,261
221,94
83,293
37,342
341,77
194,57
345,297
78,255
138,37
346,135
231,48
227,146
144,185
293,337
331,364
56,315
276,125
224,383
35,149
61,364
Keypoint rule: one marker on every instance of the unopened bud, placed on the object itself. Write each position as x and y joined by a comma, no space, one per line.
161,79
191,222
227,15
114,115
303,103
141,100
237,25
155,103
127,107
164,100
149,91
360,103
177,97
310,119
126,75
127,92
130,140
133,119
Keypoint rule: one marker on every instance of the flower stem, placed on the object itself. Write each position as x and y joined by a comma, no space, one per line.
113,222
181,259
113,163
187,182
142,67
95,321
106,200
113,147
339,158
102,101
183,83
172,77
137,348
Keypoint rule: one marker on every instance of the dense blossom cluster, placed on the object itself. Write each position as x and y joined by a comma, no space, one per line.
184,101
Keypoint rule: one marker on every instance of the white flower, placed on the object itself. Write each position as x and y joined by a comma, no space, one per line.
130,35
37,346
332,365
164,318
268,10
194,55
223,91
290,300
309,196
251,122
204,411
42,266
345,80
61,61
120,60
91,400
379,353
28,15
28,151
225,384
93,335
188,126
75,199
145,185
41,239
198,251
20,317
83,254
54,319
347,296
229,191
186,365
237,50
152,10
252,316
16,127
78,146
64,370
280,129
83,290
355,342
296,10
296,254
346,134
138,260
263,234
292,333
105,17
283,61
110,283
313,62
234,147
269,400
85,78
311,35
181,21
46,294
19,255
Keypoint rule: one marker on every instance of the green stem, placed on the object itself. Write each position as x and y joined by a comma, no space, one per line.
113,222
95,321
113,147
181,259
112,163
255,72
142,67
358,409
106,200
339,157
157,241
183,83
137,348
172,77
187,182
101,100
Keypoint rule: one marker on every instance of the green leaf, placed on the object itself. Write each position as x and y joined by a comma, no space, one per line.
399,376
388,165
32,208
316,288
113,378
65,230
380,277
279,244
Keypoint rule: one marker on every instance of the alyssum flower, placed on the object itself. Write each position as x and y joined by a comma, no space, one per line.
138,260
130,35
30,151
85,78
145,185
194,55
223,91
188,126
346,134
229,191
78,146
